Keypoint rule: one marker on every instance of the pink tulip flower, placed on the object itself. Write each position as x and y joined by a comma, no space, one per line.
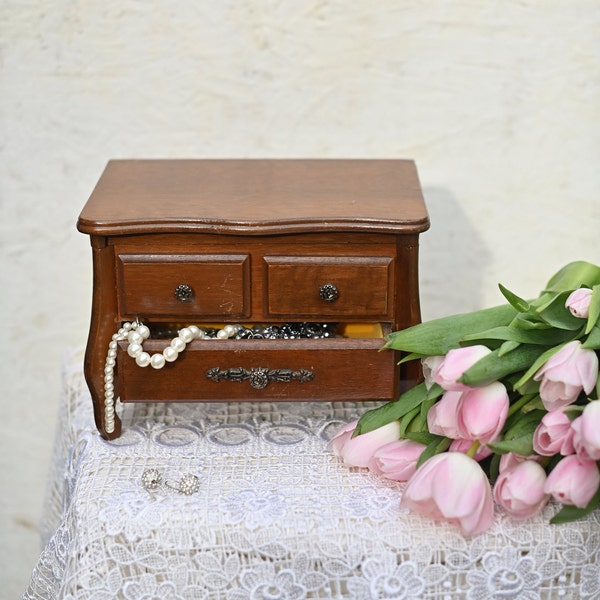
565,374
357,451
586,429
430,365
554,434
442,417
520,489
397,460
452,487
573,481
578,303
455,363
482,412
510,459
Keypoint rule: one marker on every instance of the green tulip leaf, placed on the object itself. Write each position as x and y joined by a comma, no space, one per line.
593,339
573,276
492,367
519,437
594,309
439,336
545,337
392,411
556,314
436,446
515,301
536,366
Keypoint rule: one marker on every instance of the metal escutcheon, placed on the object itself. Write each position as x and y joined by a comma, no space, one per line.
259,377
184,293
328,292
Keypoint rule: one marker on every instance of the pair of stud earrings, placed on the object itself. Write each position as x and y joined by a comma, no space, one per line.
152,480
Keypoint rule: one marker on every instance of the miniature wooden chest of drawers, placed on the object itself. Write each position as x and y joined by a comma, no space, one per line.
270,242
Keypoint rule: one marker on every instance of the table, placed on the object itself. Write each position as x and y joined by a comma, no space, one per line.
276,516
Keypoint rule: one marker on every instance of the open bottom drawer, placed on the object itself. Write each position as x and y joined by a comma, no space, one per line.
331,369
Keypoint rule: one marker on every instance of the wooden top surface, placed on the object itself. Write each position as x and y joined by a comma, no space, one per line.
255,197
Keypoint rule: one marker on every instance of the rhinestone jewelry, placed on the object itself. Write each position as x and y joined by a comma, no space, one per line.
152,480
136,333
188,485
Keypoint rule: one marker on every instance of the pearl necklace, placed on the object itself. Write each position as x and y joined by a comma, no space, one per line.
136,333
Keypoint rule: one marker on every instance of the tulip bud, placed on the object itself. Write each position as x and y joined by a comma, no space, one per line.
482,412
455,363
453,487
357,451
565,374
554,434
573,481
520,489
397,460
442,417
586,429
578,303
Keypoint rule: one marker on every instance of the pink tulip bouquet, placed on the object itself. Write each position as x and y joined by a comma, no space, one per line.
508,413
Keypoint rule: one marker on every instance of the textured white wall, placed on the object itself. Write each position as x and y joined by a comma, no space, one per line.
498,102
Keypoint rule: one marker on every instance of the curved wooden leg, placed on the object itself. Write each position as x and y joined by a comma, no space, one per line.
104,323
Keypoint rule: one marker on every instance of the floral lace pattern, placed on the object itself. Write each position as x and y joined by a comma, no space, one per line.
276,517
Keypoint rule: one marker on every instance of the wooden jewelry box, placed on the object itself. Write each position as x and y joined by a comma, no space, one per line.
322,252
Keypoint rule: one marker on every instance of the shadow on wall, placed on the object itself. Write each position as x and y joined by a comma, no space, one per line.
453,258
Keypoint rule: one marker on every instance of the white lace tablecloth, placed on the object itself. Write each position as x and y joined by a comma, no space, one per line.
276,517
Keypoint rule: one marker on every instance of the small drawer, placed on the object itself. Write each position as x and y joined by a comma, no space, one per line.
334,369
329,286
167,286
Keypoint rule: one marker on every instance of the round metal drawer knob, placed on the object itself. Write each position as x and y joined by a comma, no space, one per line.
328,292
184,293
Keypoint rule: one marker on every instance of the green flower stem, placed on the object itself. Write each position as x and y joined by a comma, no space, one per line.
473,449
520,403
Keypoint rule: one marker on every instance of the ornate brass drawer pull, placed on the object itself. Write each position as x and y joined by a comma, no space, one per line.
259,376
184,293
328,292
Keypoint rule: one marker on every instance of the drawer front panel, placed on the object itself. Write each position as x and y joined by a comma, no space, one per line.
170,286
263,369
329,287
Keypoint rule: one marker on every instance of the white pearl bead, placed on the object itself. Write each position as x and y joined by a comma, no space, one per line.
222,334
112,353
122,332
110,362
142,359
195,331
108,378
127,326
113,345
134,337
108,370
134,350
230,330
108,402
157,361
108,387
144,331
186,335
170,354
178,344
